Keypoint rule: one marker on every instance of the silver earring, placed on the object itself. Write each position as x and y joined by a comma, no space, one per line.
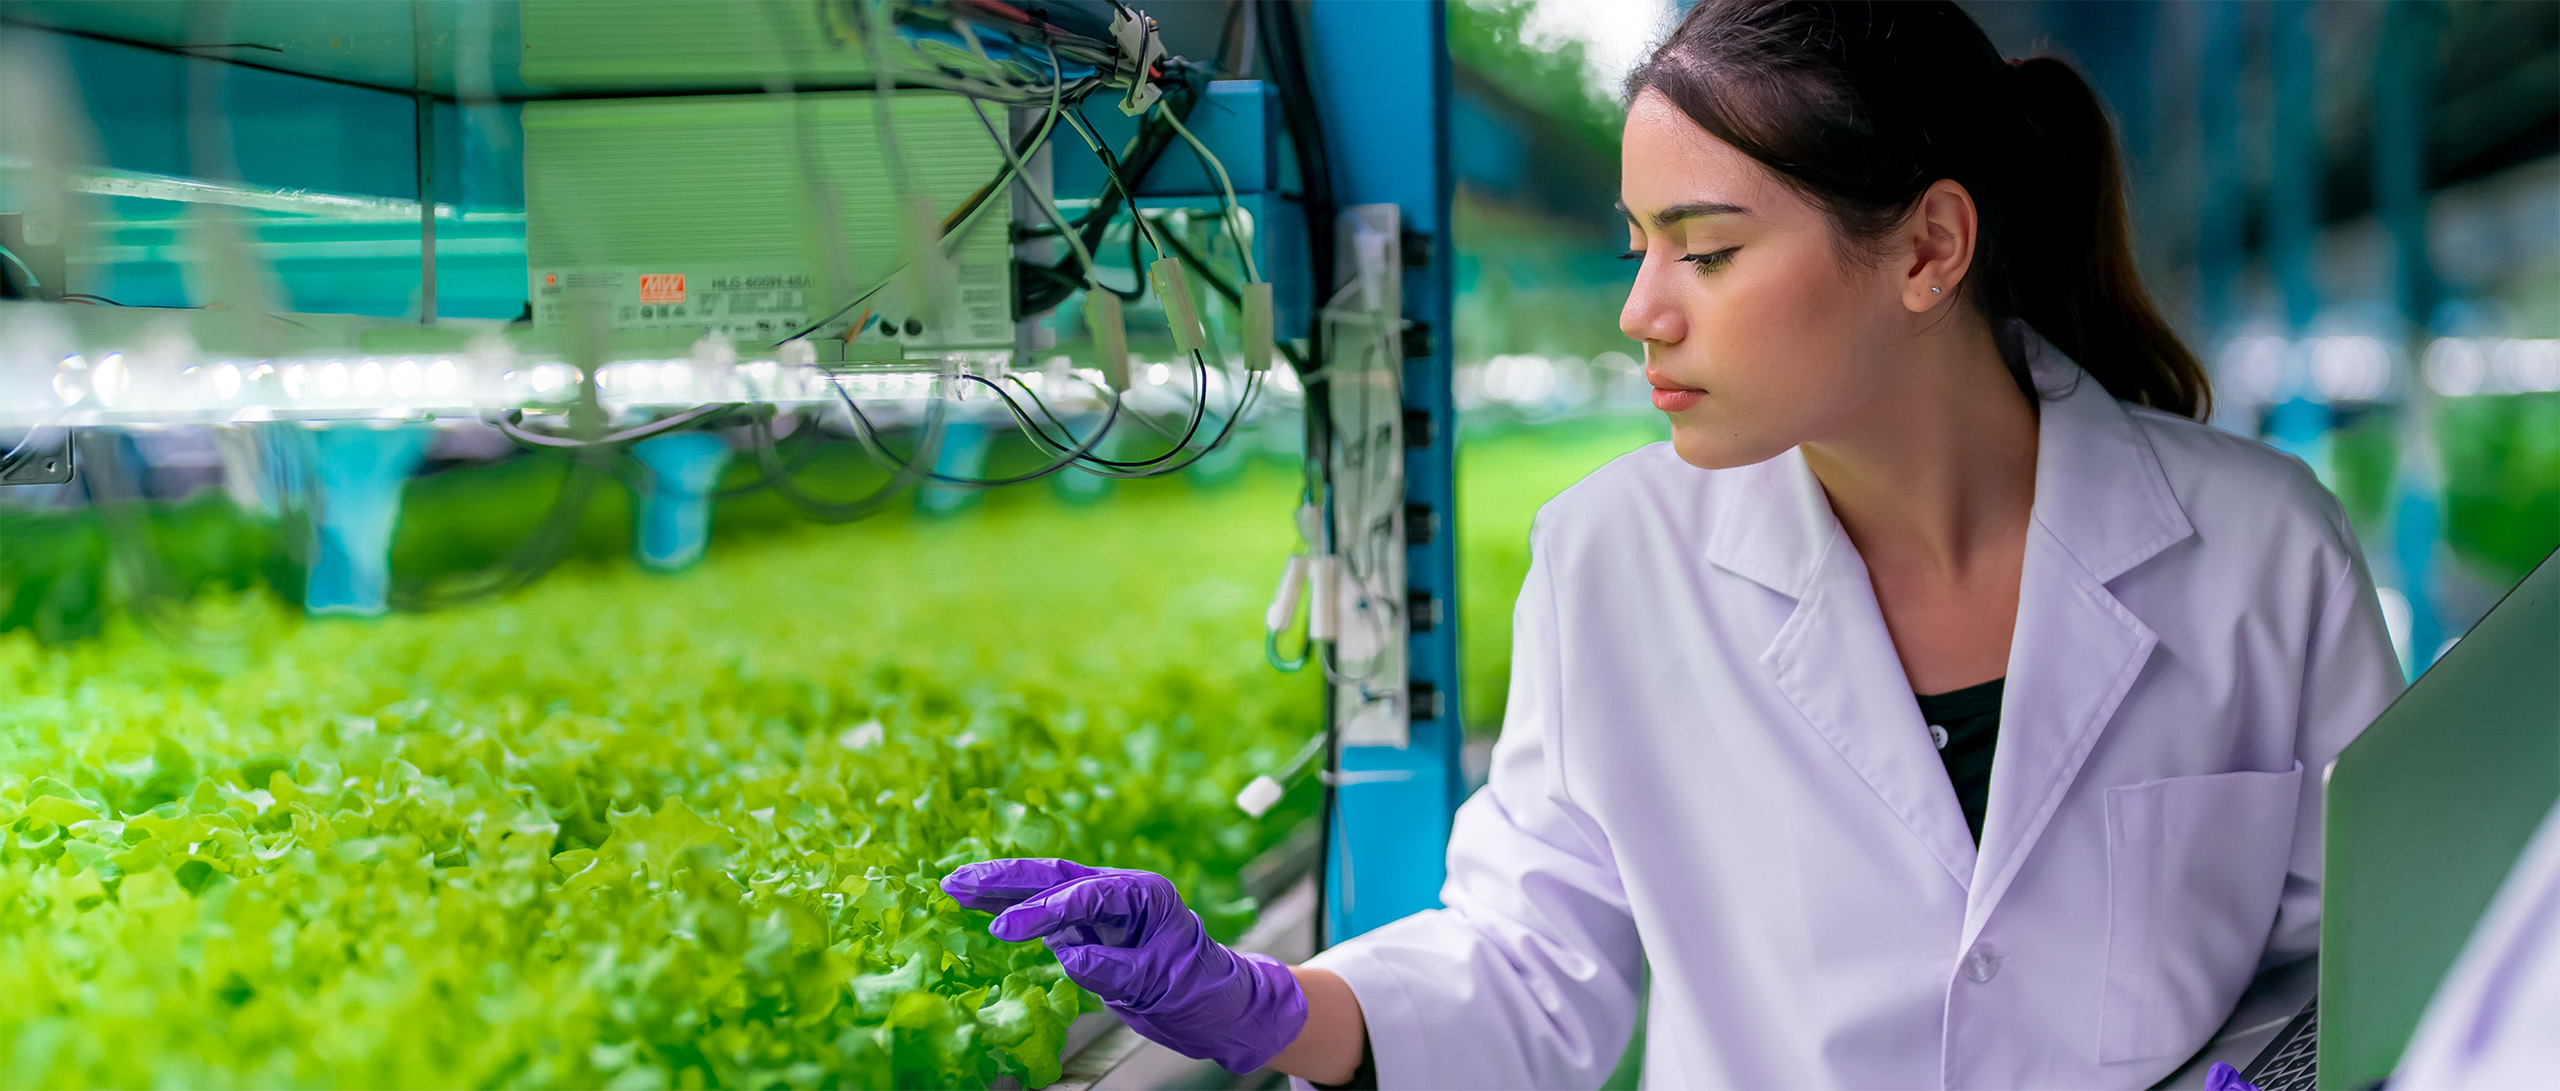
1933,289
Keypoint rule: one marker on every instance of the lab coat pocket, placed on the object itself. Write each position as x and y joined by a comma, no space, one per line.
2194,869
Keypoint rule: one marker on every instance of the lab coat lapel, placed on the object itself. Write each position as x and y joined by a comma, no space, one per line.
1833,657
2102,506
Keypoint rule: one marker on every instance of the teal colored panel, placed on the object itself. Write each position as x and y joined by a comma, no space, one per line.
2426,813
689,43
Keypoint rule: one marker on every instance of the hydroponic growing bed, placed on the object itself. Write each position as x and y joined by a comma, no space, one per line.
631,830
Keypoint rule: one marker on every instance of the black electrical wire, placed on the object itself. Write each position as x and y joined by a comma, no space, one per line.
805,447
1181,95
550,543
1243,407
1284,45
826,511
511,424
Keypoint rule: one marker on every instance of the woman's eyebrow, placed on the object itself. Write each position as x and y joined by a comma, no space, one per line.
1688,211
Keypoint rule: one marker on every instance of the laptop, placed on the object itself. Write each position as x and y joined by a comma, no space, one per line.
2425,814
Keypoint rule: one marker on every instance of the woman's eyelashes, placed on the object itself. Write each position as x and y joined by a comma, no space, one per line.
1706,263
1713,260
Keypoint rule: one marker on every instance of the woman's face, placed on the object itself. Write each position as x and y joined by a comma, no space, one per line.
1758,334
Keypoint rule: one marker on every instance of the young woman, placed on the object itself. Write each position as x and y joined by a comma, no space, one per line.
1942,706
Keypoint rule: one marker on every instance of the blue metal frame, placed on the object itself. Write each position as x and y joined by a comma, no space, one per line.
1381,76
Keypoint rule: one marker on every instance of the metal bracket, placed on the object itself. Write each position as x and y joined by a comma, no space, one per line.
35,459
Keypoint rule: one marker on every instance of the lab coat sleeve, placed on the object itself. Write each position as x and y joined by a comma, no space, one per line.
2349,675
1528,977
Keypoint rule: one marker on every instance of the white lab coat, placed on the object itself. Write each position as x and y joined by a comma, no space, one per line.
2495,1022
1712,761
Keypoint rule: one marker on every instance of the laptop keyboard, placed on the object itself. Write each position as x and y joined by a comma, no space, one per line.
2288,1062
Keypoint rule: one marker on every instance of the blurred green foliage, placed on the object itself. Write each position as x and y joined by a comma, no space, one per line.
1505,474
2364,460
1553,78
2502,480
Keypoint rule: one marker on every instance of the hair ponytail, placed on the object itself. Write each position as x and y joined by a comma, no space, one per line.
1861,106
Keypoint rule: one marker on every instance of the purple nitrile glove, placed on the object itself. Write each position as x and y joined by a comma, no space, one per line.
1127,936
2223,1077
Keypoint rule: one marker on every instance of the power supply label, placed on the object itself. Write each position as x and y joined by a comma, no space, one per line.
662,287
735,303
760,302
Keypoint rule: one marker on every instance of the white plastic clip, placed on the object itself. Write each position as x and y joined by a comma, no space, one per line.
1110,337
1259,795
1140,49
1284,602
1257,326
1174,290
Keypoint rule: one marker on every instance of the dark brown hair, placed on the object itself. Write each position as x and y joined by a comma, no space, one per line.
1860,106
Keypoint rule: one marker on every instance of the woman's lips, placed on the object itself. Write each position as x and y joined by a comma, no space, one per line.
1671,397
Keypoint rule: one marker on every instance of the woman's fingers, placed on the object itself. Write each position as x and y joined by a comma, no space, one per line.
993,886
1112,973
1121,908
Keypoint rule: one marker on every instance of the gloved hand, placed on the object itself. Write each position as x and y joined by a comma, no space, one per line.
2223,1077
1127,936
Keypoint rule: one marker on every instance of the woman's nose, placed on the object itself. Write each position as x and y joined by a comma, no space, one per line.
1652,312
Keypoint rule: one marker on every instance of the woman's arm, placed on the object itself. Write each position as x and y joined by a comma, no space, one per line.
1328,1048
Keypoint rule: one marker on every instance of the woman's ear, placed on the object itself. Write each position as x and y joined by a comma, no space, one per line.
1940,235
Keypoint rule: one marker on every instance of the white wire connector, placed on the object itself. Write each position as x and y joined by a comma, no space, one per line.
1321,607
1110,338
1140,49
1284,602
1259,795
1257,326
1174,290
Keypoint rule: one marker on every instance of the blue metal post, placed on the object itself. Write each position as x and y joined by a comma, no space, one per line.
674,514
963,453
2223,209
2400,93
361,471
1381,75
2300,424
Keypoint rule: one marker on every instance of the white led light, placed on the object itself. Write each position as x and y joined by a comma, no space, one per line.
442,377
332,380
640,377
2254,366
2350,368
226,381
2456,367
2523,366
368,378
405,378
296,378
1158,373
546,378
675,375
110,379
71,380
